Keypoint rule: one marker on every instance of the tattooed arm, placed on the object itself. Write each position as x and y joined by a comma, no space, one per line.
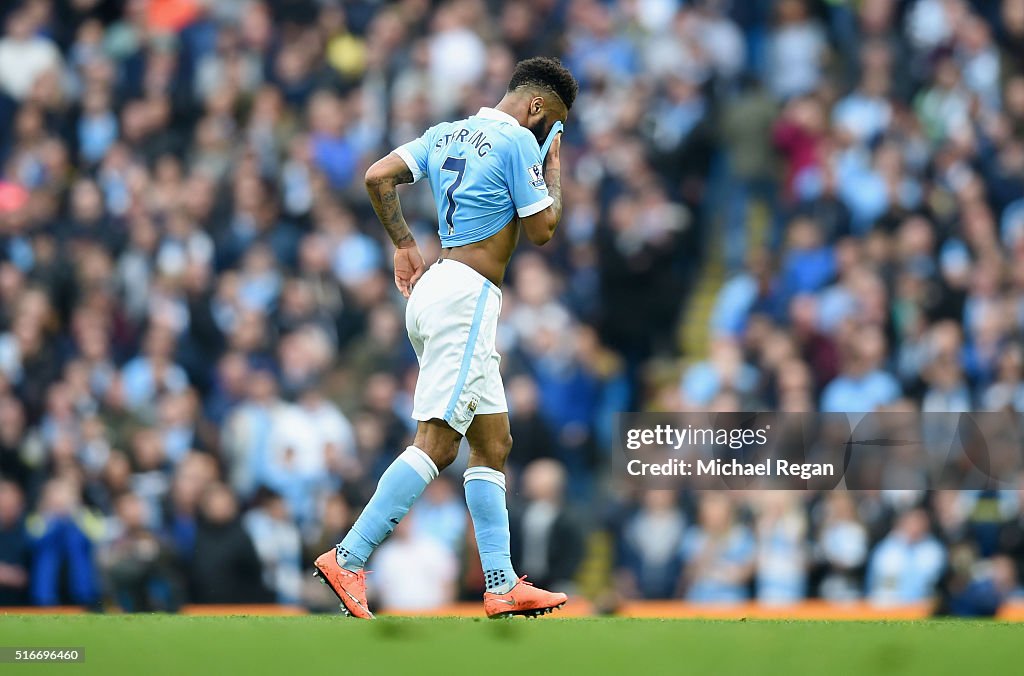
381,181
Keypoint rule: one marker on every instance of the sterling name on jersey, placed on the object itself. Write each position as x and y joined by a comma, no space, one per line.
482,171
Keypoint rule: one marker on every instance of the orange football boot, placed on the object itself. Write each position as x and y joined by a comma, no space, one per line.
349,587
523,599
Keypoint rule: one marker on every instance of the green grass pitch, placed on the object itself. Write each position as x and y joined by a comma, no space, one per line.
334,646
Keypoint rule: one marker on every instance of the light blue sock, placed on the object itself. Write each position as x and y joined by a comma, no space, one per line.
485,497
397,489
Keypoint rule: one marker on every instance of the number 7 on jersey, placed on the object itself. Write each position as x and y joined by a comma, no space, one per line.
456,165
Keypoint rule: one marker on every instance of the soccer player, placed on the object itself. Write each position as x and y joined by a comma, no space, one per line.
489,182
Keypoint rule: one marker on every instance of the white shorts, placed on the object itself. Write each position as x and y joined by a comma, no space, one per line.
452,320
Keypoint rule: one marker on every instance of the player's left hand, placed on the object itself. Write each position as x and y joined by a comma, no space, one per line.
409,267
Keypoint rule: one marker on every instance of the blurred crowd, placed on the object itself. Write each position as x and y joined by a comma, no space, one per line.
203,364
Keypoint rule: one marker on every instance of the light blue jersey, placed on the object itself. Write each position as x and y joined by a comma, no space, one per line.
482,171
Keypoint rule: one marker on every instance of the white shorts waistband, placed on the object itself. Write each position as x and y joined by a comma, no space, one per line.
452,269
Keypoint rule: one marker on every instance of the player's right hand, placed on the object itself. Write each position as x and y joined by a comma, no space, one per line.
409,267
552,156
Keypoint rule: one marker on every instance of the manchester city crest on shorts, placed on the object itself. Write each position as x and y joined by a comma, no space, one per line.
537,176
471,405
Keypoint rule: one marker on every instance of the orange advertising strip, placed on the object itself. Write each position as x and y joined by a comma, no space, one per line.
807,610
574,608
259,609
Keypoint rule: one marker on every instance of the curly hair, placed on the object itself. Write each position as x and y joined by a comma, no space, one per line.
548,73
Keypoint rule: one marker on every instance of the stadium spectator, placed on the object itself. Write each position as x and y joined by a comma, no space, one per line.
907,563
841,549
414,571
781,532
440,515
154,372
225,567
14,436
1011,533
982,588
796,51
547,538
530,429
247,431
649,547
139,568
719,554
181,509
63,568
26,55
725,370
862,385
14,546
278,545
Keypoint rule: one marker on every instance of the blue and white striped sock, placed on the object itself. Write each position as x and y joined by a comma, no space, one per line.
485,497
400,485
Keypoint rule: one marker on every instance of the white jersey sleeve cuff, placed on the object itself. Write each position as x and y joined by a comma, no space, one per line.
409,162
536,207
